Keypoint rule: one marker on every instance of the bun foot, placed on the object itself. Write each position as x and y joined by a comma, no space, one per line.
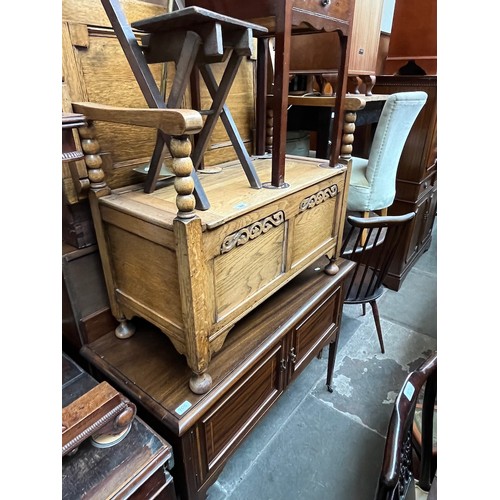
331,268
125,329
200,383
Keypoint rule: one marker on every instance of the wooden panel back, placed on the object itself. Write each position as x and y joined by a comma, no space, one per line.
413,36
365,36
91,12
320,51
95,69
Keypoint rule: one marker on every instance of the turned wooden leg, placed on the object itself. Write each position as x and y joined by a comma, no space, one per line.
369,81
330,79
98,189
269,130
193,287
348,129
353,83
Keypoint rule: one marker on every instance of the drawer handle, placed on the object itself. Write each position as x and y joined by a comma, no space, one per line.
293,356
282,365
324,3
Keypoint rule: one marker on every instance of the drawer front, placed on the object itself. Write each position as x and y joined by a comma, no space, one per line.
320,14
229,422
410,191
323,14
318,327
160,485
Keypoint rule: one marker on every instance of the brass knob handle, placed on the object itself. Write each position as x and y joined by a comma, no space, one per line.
324,3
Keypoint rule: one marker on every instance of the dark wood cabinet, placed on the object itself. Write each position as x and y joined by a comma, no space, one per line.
416,181
85,307
263,353
136,467
413,37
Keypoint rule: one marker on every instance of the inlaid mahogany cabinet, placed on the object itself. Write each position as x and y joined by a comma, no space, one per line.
265,352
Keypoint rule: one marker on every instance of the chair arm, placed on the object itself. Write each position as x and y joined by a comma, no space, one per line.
169,121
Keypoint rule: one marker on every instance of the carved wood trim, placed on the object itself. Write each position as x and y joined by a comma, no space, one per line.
319,197
252,231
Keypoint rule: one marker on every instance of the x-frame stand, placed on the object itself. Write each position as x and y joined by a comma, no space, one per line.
192,37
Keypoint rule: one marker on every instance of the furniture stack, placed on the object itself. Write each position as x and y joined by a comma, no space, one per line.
219,286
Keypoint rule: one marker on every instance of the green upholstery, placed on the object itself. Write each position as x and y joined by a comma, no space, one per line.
373,180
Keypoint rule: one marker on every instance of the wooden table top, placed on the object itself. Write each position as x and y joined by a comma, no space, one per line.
229,192
353,102
189,17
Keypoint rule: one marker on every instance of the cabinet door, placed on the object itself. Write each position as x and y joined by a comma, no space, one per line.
418,231
318,328
428,216
222,428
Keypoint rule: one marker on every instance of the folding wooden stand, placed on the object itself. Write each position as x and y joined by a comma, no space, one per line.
192,37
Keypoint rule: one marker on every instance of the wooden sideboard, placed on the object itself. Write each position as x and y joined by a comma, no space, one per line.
263,353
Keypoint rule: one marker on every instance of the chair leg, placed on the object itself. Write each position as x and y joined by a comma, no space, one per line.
332,352
376,317
364,309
